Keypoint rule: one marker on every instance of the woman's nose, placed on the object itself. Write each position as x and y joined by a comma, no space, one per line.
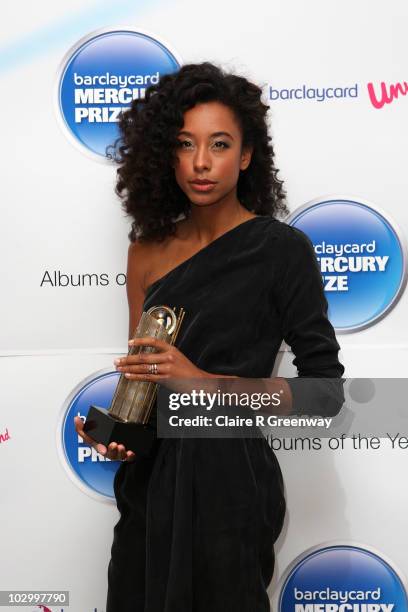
202,158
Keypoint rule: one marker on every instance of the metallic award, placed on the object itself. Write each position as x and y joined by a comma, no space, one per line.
126,420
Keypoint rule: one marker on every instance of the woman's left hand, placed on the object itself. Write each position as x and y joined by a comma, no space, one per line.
170,362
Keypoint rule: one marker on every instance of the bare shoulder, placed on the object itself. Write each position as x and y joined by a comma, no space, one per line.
140,256
138,252
156,258
149,260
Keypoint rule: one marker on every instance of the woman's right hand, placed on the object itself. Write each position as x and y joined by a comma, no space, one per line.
115,451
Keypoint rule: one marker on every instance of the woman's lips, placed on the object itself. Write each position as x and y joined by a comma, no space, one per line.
203,186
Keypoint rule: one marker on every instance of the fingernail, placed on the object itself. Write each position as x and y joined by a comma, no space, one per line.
116,361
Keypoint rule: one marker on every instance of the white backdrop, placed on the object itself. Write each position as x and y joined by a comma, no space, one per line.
59,213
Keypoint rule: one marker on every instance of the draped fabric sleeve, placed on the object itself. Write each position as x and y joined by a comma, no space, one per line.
298,296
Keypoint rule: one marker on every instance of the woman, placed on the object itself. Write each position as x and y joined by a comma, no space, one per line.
200,517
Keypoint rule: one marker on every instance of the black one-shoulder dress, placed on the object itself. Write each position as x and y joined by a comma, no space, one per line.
199,519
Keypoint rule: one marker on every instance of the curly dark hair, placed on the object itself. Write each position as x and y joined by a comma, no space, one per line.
148,138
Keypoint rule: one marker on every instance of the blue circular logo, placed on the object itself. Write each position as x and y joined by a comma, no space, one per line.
362,259
90,470
100,77
342,578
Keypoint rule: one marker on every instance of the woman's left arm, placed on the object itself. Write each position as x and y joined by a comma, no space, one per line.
298,295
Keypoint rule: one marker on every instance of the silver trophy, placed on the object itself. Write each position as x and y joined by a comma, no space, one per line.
127,419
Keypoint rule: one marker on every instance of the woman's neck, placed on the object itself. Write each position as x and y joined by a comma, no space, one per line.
205,224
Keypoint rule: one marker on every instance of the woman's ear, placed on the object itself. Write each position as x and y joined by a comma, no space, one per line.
246,157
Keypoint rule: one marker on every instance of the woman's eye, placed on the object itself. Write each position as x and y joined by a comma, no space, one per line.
222,143
181,143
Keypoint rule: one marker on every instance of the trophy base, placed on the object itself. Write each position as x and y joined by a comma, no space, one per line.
104,428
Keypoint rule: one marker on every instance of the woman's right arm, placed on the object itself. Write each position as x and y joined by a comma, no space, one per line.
135,294
135,279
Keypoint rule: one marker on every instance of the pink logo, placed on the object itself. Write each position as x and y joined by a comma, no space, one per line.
4,436
386,96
